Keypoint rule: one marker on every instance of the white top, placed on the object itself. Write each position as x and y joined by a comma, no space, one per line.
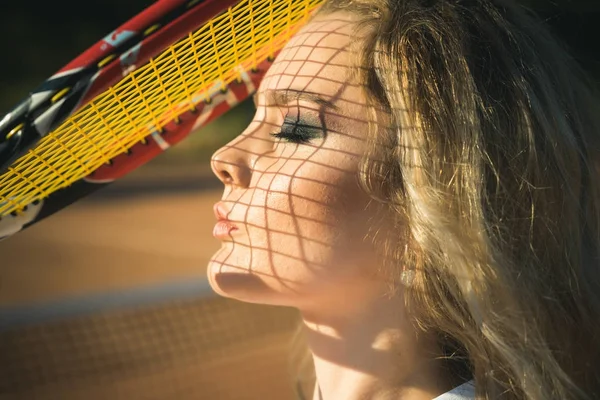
466,391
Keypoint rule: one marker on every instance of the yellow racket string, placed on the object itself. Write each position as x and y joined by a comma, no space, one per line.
150,97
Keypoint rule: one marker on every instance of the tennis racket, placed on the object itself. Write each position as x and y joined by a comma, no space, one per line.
168,71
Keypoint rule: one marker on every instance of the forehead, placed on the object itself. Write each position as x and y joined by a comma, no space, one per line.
319,57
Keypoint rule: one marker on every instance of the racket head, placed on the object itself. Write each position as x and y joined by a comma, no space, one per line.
171,69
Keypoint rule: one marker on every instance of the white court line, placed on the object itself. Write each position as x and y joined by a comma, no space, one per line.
13,317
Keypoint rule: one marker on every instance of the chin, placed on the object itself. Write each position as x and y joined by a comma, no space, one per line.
243,285
239,284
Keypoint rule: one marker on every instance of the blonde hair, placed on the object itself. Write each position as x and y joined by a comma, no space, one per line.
491,165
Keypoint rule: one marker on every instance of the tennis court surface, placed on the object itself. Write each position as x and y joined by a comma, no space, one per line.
102,302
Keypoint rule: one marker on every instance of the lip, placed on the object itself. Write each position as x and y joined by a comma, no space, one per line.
223,229
220,211
224,226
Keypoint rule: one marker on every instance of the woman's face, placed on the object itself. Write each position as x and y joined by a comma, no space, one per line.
297,215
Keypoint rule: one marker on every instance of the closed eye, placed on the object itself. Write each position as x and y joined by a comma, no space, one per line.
299,130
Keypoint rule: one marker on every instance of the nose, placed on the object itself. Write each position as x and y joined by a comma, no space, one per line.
231,163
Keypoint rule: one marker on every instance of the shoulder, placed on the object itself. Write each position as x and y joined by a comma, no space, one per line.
466,391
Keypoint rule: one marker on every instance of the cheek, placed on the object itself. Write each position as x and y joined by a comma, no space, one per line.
309,209
305,224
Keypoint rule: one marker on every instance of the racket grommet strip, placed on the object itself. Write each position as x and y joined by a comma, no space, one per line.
151,29
106,60
191,3
14,130
60,95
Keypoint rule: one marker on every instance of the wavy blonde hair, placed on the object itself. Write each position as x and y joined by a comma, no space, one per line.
491,167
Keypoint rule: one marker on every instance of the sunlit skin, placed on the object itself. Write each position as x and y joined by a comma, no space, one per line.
301,220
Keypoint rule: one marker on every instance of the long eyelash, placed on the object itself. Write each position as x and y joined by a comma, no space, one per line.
297,132
291,138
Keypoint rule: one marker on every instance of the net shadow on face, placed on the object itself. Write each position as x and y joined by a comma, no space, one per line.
293,177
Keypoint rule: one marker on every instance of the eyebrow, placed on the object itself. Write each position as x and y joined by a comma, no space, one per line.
285,96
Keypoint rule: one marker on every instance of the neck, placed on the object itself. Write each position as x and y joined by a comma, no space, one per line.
370,350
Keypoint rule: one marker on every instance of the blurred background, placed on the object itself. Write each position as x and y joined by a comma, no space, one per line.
103,301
